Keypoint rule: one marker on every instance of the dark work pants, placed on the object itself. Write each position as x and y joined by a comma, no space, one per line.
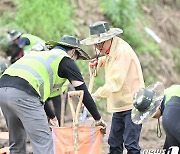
171,122
124,131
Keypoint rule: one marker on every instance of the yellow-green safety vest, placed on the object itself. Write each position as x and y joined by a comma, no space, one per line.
40,69
59,90
34,40
173,90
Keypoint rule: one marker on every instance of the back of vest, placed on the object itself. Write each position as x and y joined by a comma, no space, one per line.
40,70
34,41
174,90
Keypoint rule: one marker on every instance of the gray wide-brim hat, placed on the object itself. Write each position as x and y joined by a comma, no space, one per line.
150,101
100,32
69,41
14,34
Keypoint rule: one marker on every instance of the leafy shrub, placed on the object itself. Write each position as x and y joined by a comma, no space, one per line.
176,57
125,14
48,19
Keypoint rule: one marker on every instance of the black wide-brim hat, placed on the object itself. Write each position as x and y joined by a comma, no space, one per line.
69,41
139,116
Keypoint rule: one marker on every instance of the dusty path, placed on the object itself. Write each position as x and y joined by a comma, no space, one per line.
148,139
88,12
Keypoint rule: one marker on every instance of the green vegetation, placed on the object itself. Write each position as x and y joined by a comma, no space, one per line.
128,15
51,19
125,15
48,19
176,57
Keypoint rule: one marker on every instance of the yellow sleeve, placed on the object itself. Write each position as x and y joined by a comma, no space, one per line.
115,77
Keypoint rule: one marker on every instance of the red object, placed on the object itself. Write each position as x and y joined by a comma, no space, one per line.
93,63
20,54
108,50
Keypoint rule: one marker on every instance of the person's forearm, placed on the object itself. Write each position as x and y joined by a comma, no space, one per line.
48,110
89,102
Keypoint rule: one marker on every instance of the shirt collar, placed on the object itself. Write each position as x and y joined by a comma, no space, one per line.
112,47
108,50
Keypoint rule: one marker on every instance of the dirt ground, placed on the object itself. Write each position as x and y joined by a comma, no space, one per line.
148,138
167,29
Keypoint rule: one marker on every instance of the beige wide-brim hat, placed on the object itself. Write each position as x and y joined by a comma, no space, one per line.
69,41
100,32
139,117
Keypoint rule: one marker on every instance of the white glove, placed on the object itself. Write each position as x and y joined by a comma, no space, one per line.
9,58
102,124
94,97
54,122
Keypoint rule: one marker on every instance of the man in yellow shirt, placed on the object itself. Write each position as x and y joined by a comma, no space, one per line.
123,77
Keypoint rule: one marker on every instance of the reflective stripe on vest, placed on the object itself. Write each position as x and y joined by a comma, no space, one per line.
58,85
35,74
58,90
50,64
46,63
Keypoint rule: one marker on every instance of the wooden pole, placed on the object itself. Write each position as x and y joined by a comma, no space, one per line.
93,74
63,100
75,115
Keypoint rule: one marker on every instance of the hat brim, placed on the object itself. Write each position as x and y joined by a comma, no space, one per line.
95,39
82,54
141,117
16,36
52,44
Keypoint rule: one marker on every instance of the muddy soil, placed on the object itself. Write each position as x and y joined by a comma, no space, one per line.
148,138
165,23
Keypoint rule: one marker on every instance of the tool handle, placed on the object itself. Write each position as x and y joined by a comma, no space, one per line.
63,101
75,114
